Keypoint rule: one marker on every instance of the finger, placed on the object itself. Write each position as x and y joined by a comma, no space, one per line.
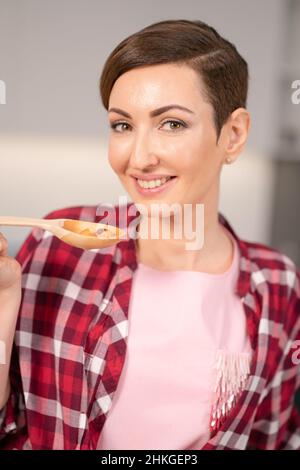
3,245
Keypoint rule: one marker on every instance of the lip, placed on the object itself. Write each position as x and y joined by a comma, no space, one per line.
158,189
150,177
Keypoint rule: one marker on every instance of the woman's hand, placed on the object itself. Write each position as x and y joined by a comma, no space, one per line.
10,300
10,269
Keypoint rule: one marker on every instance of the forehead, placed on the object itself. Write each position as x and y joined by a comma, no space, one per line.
157,85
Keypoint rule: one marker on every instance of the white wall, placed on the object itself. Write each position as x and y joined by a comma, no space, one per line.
52,54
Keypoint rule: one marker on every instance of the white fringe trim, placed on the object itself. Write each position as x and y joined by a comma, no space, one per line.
232,370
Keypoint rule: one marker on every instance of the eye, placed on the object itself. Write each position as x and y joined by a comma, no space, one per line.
114,125
177,123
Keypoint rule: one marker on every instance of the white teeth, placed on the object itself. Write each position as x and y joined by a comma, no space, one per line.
153,183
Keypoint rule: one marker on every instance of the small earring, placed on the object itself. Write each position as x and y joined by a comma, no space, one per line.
228,160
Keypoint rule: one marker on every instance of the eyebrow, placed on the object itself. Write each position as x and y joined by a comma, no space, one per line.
155,112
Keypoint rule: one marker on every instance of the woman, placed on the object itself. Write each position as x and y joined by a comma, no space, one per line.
148,344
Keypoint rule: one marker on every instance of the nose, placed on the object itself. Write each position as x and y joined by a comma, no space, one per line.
142,151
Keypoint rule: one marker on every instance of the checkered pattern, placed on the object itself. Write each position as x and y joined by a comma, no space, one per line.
70,344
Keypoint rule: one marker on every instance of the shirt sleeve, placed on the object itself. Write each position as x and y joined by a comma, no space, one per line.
289,437
277,421
12,415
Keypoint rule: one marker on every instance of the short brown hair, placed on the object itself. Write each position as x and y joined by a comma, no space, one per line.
222,69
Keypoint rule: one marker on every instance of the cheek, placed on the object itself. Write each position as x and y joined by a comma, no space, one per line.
112,160
179,153
200,160
193,155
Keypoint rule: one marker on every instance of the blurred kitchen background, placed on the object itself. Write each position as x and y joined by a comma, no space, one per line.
53,128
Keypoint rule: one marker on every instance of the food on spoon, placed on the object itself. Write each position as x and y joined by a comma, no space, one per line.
87,232
95,235
101,232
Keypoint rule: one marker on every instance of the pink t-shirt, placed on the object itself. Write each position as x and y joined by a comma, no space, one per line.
178,320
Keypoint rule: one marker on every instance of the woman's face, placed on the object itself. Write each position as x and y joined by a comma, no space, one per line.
172,143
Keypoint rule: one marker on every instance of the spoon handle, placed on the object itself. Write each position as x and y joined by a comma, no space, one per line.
24,221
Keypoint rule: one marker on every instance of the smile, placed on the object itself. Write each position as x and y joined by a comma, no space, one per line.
154,186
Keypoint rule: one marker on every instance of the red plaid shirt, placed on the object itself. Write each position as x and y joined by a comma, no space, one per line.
70,344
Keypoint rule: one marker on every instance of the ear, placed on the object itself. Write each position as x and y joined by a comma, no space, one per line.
238,125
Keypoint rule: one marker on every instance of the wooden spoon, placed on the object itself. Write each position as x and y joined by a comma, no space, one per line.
79,233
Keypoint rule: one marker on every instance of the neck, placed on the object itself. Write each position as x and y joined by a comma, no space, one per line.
215,255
